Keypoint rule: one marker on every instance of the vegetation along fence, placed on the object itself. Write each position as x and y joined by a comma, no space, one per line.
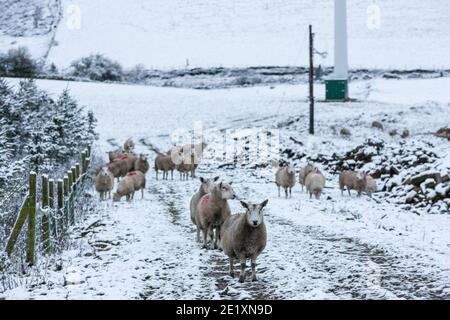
53,218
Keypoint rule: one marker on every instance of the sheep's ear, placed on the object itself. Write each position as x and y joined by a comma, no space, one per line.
264,203
245,205
230,183
216,178
220,185
202,179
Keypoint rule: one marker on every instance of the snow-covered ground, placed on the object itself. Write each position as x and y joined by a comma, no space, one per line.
338,247
210,33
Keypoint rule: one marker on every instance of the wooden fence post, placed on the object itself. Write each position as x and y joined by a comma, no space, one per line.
66,196
31,241
60,205
78,170
72,196
74,178
70,176
83,162
23,214
45,220
51,204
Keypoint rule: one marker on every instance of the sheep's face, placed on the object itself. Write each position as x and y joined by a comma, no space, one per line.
104,172
226,191
361,176
290,169
142,157
254,214
176,155
308,169
208,184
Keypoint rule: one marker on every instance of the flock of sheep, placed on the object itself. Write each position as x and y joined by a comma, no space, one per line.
313,180
240,236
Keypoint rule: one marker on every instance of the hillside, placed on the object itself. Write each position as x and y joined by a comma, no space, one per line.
173,34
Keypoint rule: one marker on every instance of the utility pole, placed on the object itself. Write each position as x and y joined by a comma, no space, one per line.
311,81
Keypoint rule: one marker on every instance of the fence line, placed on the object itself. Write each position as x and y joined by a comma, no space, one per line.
53,220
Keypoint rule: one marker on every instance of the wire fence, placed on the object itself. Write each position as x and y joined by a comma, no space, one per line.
55,212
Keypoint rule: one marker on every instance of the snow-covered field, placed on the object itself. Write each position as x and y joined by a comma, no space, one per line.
210,33
338,247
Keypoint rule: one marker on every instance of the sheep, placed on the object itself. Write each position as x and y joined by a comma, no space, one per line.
195,150
165,164
315,182
371,185
125,188
104,182
393,132
112,155
405,134
212,211
285,177
129,145
119,168
345,132
141,164
130,159
132,182
139,181
187,165
378,125
304,172
353,181
206,186
244,236
191,154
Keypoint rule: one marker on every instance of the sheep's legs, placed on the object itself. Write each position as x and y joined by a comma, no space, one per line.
254,269
279,191
156,174
198,234
242,274
231,267
290,192
216,238
142,191
349,194
286,192
213,239
205,238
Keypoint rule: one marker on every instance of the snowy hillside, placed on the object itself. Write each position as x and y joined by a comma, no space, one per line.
29,23
168,34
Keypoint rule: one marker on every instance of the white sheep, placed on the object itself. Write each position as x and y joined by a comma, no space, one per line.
353,181
285,178
128,145
141,164
104,182
304,172
315,182
212,211
244,236
206,186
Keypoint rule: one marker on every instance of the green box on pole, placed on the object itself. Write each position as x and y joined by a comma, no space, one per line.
336,90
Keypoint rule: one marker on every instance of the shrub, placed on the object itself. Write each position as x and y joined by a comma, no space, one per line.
98,68
18,63
137,74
